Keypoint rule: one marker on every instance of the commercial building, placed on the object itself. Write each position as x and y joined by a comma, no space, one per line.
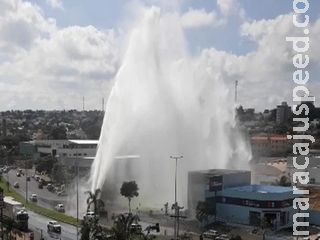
200,181
236,200
254,204
271,145
66,151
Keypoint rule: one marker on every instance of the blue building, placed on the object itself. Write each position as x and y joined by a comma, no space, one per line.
255,205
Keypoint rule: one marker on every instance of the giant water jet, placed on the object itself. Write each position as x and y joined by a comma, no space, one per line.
165,101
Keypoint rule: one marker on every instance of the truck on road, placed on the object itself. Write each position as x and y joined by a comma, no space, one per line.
14,211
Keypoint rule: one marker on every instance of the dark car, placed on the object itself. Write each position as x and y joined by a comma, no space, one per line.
40,186
50,187
28,179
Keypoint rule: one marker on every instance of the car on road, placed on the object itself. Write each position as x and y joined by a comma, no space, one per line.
60,207
34,197
210,234
223,237
89,215
50,187
18,174
28,179
16,185
54,227
135,228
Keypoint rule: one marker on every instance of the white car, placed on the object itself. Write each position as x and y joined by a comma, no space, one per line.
89,215
60,207
34,197
54,227
211,234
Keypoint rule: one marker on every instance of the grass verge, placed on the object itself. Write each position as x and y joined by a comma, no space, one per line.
36,208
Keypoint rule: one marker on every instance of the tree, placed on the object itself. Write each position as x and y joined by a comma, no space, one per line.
58,132
59,173
284,181
45,164
90,227
122,224
204,210
93,200
92,230
129,190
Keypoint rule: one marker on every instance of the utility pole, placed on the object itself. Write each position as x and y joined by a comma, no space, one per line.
236,92
176,207
26,178
1,209
83,103
77,165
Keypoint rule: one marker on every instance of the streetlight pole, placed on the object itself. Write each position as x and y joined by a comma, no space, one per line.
77,165
26,173
176,209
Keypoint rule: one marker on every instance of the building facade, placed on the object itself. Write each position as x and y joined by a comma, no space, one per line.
68,152
255,205
236,200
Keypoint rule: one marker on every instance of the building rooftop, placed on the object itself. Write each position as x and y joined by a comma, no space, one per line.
219,171
262,189
84,141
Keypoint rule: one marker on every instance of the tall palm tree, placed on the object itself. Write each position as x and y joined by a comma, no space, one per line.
93,199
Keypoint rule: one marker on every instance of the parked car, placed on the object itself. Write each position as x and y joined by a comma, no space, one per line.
16,185
60,207
54,227
34,197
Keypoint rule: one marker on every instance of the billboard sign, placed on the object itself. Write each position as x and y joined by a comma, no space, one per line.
215,183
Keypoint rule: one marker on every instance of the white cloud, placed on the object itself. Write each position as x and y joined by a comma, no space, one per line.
55,3
49,68
265,75
21,25
195,18
231,7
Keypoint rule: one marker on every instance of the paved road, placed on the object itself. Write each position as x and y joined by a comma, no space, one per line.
38,223
45,198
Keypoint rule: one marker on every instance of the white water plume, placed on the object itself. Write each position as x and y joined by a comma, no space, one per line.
165,102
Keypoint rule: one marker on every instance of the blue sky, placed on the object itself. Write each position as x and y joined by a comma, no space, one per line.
110,14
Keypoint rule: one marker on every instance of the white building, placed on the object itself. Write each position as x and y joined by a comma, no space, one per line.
68,152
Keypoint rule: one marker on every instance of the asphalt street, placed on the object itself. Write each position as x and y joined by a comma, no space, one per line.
38,223
46,198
